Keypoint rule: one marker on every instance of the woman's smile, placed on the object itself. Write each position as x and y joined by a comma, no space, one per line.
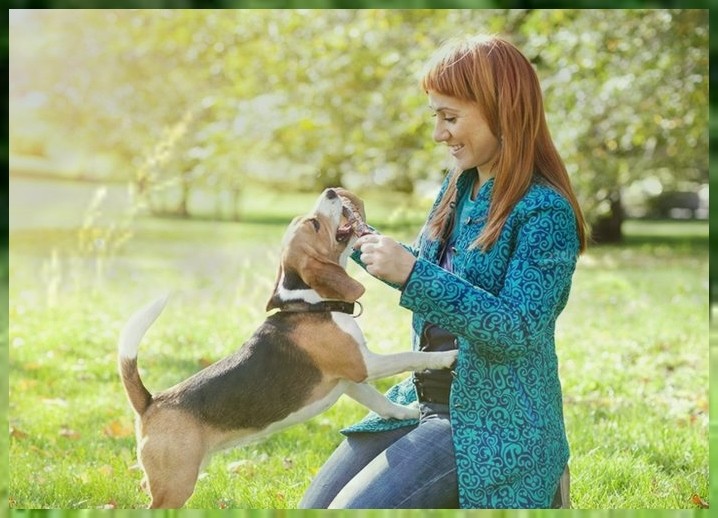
455,149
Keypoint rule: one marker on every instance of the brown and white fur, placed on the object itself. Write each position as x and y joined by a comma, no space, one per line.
295,365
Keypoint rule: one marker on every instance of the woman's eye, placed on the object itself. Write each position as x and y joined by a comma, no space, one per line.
450,120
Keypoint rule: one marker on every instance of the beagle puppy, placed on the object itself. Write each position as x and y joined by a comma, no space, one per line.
295,365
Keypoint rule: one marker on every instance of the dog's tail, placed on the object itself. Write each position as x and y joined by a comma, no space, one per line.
136,327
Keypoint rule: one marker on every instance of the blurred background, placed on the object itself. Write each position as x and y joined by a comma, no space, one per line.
196,108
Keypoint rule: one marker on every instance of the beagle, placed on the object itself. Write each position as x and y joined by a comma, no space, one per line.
299,361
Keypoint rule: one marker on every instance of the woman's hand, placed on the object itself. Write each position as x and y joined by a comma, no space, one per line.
385,258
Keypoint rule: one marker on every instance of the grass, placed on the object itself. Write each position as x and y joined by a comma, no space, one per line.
631,345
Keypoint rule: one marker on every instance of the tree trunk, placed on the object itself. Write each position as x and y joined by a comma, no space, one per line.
607,228
183,205
236,205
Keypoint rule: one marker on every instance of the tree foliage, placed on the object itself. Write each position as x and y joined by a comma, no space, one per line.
211,99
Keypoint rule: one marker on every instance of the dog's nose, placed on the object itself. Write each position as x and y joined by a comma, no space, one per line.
331,194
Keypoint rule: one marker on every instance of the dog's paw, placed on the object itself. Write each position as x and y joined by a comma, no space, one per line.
402,412
444,359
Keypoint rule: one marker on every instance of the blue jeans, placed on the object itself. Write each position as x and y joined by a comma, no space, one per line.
412,467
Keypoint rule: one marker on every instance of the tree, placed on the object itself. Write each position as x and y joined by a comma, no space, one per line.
627,94
304,99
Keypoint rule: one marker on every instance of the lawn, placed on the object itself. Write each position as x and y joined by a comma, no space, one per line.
632,346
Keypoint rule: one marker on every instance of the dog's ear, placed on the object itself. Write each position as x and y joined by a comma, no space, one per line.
273,302
330,280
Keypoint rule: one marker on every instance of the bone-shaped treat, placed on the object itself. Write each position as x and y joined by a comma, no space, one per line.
354,217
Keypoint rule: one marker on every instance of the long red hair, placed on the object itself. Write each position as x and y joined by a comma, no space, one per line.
494,74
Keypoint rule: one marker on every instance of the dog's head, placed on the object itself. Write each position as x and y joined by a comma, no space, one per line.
315,250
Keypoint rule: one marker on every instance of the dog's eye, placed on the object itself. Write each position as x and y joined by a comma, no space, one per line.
315,222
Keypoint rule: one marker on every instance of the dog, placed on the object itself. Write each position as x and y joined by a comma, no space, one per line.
299,361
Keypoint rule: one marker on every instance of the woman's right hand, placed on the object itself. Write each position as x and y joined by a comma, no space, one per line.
385,258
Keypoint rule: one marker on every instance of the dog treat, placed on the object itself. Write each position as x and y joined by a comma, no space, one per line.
352,214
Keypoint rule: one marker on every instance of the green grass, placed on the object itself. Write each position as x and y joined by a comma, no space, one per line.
631,344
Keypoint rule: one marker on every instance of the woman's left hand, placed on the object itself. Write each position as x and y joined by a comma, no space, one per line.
385,258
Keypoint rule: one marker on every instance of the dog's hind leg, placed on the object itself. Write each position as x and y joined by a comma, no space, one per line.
171,461
173,493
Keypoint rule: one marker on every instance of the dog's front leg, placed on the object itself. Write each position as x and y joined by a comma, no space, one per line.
376,401
382,365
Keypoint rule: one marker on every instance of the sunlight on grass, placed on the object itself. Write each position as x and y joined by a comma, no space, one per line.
631,346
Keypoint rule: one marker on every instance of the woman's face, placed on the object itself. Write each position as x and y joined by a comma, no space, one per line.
463,128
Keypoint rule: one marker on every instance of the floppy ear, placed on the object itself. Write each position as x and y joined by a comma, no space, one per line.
274,299
330,280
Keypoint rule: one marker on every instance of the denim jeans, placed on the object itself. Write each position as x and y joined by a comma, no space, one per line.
412,467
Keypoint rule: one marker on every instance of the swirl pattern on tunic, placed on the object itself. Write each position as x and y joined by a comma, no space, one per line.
506,403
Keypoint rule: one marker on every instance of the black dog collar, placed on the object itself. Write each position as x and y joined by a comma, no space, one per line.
326,306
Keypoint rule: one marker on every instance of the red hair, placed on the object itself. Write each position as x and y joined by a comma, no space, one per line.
494,74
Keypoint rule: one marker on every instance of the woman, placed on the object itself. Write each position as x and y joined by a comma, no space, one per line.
490,274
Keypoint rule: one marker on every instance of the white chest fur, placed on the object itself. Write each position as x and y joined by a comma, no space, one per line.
348,324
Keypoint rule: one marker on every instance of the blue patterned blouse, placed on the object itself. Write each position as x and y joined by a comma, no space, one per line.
506,405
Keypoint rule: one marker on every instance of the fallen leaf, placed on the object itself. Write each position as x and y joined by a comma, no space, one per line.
119,429
241,466
106,470
55,402
24,385
17,434
69,433
698,500
205,362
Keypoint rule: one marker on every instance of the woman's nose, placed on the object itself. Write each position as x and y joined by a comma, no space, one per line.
440,133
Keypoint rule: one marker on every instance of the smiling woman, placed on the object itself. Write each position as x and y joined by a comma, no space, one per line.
489,275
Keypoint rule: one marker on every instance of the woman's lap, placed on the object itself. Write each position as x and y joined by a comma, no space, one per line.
412,467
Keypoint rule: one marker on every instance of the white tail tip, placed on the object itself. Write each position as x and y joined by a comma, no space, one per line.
137,326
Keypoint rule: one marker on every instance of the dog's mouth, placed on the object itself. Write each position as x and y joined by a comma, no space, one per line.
346,231
354,224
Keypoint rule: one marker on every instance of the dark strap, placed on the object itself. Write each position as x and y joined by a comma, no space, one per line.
298,306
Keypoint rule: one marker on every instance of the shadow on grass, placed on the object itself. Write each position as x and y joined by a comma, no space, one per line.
686,237
689,244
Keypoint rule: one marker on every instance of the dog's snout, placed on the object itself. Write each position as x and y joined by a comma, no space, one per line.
331,194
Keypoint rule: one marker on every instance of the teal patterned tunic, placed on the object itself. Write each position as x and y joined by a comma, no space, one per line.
506,407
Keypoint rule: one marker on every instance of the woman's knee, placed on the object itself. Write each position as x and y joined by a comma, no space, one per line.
350,457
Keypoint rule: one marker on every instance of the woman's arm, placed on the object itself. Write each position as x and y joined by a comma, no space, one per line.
535,288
